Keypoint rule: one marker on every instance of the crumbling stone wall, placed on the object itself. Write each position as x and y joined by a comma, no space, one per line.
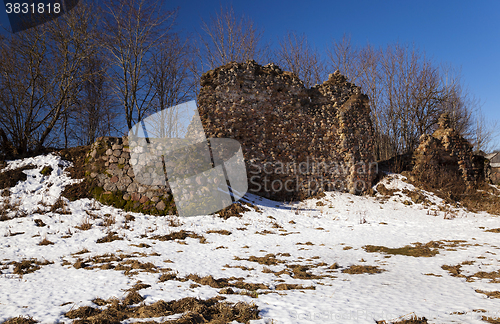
447,151
110,165
296,141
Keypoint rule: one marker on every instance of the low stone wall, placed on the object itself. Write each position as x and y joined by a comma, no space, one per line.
110,165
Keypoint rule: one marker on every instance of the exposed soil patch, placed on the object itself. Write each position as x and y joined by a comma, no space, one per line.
10,178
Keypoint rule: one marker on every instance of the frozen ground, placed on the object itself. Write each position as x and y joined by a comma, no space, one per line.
266,246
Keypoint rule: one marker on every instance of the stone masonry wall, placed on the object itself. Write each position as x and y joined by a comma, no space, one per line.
110,165
447,149
296,141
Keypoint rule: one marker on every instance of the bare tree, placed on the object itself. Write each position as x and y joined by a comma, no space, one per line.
485,133
227,38
39,76
297,56
407,92
22,88
345,58
95,113
133,30
173,83
170,72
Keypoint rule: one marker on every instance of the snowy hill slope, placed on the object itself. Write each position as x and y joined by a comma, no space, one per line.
338,259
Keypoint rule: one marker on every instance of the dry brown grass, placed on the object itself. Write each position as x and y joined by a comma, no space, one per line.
39,222
174,221
110,237
450,186
268,259
45,241
194,311
417,250
221,232
20,320
264,232
85,225
413,320
108,220
60,206
284,286
360,269
180,235
236,210
491,294
491,320
28,266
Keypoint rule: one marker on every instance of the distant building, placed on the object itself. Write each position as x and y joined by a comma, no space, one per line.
495,166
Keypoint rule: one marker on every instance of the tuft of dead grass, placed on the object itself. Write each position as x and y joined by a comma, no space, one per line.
60,206
284,286
45,241
28,266
21,320
412,320
236,210
221,232
85,225
194,311
110,237
360,269
39,222
491,294
180,235
417,250
268,259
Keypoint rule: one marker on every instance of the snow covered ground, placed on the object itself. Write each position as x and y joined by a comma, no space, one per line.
266,246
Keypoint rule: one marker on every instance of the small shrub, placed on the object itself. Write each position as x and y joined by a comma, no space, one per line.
47,170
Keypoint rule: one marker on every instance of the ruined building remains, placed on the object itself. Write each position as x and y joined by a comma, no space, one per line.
446,151
296,141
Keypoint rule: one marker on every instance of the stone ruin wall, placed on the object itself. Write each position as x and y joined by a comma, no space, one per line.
110,165
282,125
279,123
446,148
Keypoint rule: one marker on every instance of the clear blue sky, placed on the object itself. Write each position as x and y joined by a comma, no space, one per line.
465,34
